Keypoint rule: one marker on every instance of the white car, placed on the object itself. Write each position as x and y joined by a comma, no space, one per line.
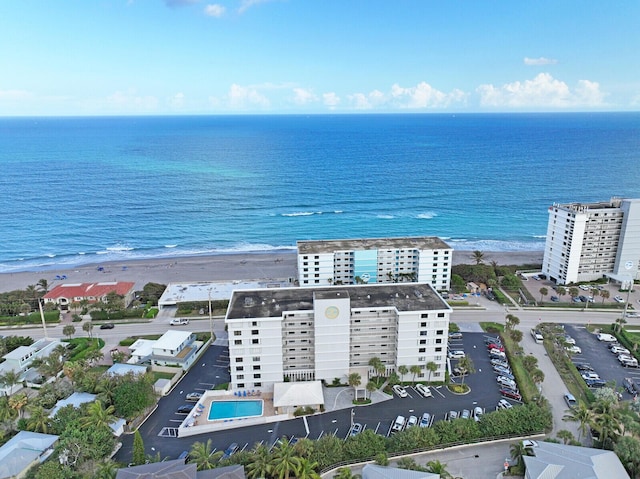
179,322
412,421
424,390
426,420
504,381
400,391
456,354
618,299
620,350
606,337
574,349
477,413
590,376
504,404
569,340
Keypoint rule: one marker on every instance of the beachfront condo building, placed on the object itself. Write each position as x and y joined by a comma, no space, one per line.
588,241
375,260
324,333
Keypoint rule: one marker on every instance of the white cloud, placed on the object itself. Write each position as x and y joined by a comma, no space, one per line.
424,95
15,95
539,61
543,91
130,101
177,100
302,96
331,100
214,10
361,101
240,98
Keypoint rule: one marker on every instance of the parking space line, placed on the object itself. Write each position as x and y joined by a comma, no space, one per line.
306,425
437,389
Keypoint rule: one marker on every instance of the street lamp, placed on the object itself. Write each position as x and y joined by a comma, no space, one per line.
210,316
353,413
44,323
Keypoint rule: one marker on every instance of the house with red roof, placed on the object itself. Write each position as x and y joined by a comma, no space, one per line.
65,294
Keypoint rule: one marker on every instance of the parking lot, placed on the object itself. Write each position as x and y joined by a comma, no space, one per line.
598,356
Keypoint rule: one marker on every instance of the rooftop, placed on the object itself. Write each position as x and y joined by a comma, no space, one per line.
329,246
85,290
266,303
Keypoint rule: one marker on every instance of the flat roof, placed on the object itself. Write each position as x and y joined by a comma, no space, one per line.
200,291
265,303
329,246
171,339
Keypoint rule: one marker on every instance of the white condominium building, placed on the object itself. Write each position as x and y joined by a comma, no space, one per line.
587,241
375,260
308,334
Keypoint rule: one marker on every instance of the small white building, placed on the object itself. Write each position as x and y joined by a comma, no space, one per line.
173,348
19,360
24,450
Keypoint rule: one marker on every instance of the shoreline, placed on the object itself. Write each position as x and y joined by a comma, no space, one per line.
272,265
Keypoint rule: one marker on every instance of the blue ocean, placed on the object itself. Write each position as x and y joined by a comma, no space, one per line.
87,190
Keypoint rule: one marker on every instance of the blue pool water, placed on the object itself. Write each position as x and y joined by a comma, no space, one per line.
235,409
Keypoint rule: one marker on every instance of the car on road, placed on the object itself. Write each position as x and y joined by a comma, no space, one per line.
230,451
511,394
426,420
574,349
631,314
456,354
504,404
400,391
193,396
477,413
179,322
570,400
424,390
412,421
185,409
107,326
606,337
455,335
537,336
355,429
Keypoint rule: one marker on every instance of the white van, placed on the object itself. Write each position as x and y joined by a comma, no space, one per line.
606,337
179,322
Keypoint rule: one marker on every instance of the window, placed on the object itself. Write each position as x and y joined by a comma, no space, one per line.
438,349
440,331
238,342
256,359
257,376
240,376
238,360
257,385
422,350
254,323
255,341
237,333
239,368
438,340
240,385
256,367
423,341
423,325
254,331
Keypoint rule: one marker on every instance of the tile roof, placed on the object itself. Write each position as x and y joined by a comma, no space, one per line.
85,290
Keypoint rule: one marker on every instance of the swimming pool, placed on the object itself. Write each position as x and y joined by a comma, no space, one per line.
235,409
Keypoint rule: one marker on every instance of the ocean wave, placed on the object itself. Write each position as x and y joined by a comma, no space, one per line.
427,215
300,213
385,217
310,213
495,245
540,236
170,245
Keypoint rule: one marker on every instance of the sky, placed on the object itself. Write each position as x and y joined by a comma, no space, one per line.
177,57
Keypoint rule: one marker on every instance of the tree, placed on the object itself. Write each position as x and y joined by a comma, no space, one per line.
354,380
202,455
138,457
69,330
537,376
106,469
515,335
414,370
530,362
38,419
284,461
432,368
543,292
260,465
408,463
377,364
466,365
18,402
511,322
98,415
87,327
94,356
573,291
10,379
477,256
437,467
306,469
345,473
517,450
371,387
580,414
604,294
565,435
628,451
43,285
402,370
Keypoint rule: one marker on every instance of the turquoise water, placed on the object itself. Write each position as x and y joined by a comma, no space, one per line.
89,190
235,409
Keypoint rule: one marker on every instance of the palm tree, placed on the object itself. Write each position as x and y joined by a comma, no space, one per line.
284,461
478,256
371,387
466,364
87,327
354,380
98,416
537,376
517,450
377,364
402,370
106,469
543,292
18,402
432,368
10,379
604,294
606,420
561,291
415,370
94,356
580,414
202,455
38,419
43,285
260,465
437,467
345,473
573,291
306,469
565,435
69,330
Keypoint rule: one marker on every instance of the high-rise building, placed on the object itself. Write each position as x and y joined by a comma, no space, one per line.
309,334
588,241
375,260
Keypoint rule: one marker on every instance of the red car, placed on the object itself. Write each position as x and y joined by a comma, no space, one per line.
511,394
499,347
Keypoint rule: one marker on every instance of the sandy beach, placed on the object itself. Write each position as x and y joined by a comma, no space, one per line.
258,266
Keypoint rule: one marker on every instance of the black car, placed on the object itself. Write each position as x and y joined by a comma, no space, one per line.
107,326
584,367
185,408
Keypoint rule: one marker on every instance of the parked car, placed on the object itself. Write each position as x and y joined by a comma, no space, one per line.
355,429
499,362
184,455
398,424
455,335
590,376
504,381
628,361
606,337
569,340
498,355
400,391
451,415
477,413
576,299
412,421
456,354
555,299
631,385
574,349
619,350
503,372
107,326
426,420
179,322
424,390
466,414
504,404
583,367
230,451
193,396
511,394
185,409
499,347
618,299
595,383
494,340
